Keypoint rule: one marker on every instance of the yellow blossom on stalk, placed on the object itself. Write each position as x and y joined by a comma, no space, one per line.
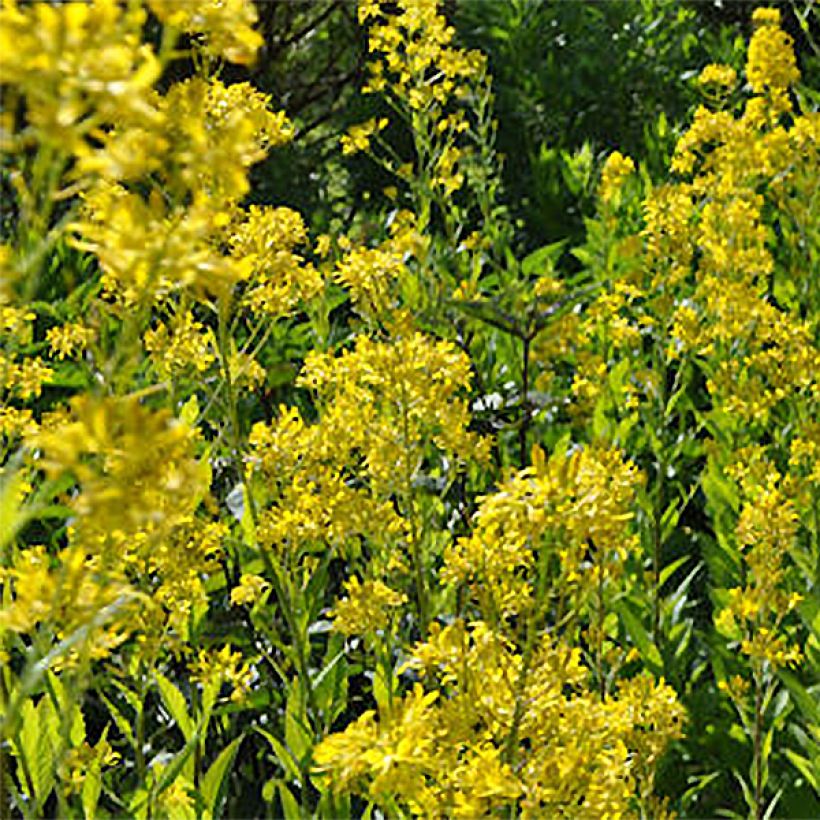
250,590
720,76
79,760
217,132
686,331
171,564
358,137
24,378
69,339
805,453
225,26
279,448
122,154
578,506
446,176
245,370
183,345
77,65
217,667
392,400
67,593
369,273
766,531
366,608
669,245
15,423
310,500
445,749
124,485
617,169
15,323
278,278
318,506
146,250
771,66
178,799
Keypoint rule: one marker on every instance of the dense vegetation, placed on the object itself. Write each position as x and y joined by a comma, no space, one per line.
402,418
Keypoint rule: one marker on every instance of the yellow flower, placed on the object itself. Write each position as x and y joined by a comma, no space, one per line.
69,339
251,588
771,65
358,137
226,26
223,666
617,169
721,76
366,609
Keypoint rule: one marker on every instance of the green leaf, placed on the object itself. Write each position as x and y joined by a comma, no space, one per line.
381,688
285,758
189,413
12,517
669,570
805,700
131,697
809,770
77,733
328,683
543,259
298,735
39,737
290,806
123,724
214,782
92,784
174,702
640,637
247,523
173,769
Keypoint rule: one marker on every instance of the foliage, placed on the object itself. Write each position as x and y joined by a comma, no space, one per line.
307,516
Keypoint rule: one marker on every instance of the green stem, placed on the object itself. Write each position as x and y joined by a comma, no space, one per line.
524,425
758,744
599,650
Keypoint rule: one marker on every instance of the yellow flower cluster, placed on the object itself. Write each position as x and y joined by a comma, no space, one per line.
766,532
721,76
215,668
250,589
374,275
216,133
65,595
472,741
20,377
184,346
366,609
617,169
358,137
577,507
390,401
136,528
78,66
308,500
771,68
124,485
427,79
69,339
161,174
385,408
413,53
23,377
225,25
278,278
